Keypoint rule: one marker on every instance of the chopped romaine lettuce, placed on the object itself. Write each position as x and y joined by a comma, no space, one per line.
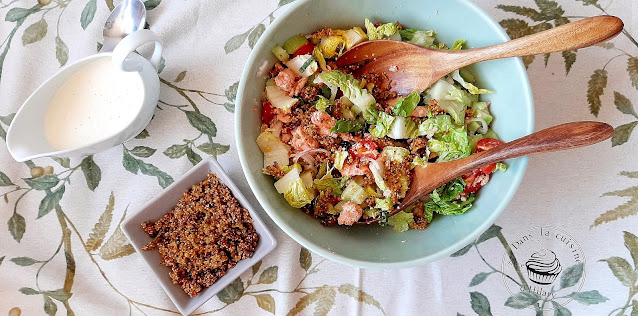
377,168
293,188
371,213
318,56
354,36
436,126
345,126
451,146
322,103
361,98
354,193
383,204
458,45
421,38
405,106
303,65
419,161
482,111
371,115
500,166
451,99
340,158
331,46
274,150
446,200
400,222
328,182
382,32
383,125
396,154
456,75
306,178
333,88
279,98
402,128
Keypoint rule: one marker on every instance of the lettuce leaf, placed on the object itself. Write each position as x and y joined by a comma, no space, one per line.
396,154
451,99
322,103
421,38
500,166
458,45
383,204
345,126
354,193
340,158
331,46
456,75
402,128
383,125
328,182
274,149
371,115
405,106
381,32
436,126
377,168
360,97
451,146
419,161
445,202
400,221
293,188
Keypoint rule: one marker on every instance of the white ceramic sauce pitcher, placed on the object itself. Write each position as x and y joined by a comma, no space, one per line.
26,138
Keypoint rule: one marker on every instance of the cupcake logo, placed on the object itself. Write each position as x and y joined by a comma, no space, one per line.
542,268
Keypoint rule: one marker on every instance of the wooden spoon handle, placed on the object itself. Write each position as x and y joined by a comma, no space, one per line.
560,137
583,33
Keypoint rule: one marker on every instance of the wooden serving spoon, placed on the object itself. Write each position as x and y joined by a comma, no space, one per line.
414,68
561,137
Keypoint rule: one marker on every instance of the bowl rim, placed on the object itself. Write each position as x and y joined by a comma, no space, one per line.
290,231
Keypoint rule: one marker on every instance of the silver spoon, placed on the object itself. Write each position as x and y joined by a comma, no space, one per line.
126,18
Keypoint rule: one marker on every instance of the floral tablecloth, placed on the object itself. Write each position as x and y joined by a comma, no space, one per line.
62,251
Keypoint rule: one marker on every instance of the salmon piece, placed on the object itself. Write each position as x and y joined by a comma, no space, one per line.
298,87
289,82
354,169
302,141
323,121
351,214
286,80
420,111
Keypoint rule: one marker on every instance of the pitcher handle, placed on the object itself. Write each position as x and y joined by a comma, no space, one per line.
132,42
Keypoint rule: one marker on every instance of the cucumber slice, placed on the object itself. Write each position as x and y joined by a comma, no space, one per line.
280,53
294,43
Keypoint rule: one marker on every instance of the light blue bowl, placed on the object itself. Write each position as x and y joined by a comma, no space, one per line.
379,247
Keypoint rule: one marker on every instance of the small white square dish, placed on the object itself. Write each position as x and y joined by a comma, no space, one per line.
164,202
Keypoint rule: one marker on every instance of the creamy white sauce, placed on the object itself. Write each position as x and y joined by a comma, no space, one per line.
96,102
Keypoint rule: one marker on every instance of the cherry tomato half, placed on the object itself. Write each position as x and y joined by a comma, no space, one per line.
303,50
475,180
364,149
487,144
267,112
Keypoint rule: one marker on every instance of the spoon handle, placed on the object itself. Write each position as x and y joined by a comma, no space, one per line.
583,33
560,137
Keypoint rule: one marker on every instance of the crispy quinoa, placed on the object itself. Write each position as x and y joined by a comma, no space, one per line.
204,236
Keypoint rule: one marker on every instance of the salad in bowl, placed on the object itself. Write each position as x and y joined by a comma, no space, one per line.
342,148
